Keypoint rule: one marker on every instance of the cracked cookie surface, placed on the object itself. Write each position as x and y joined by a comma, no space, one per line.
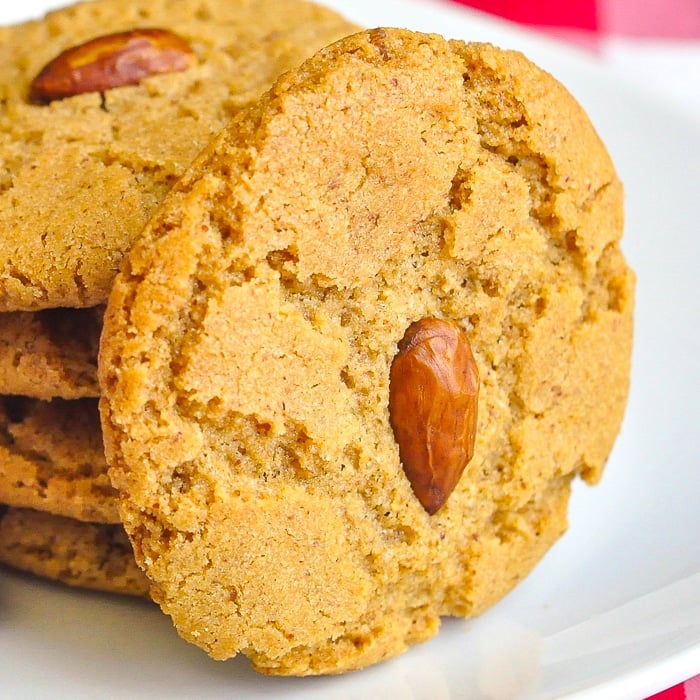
245,356
79,177
50,353
52,459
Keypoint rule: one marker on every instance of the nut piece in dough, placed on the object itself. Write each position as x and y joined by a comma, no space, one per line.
433,403
110,61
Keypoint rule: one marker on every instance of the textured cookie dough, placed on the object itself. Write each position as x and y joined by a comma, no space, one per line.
52,459
85,555
50,353
79,177
245,356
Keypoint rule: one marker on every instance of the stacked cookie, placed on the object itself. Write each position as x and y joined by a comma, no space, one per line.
84,165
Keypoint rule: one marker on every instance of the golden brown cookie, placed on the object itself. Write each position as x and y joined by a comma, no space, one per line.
395,178
80,176
52,459
50,353
85,555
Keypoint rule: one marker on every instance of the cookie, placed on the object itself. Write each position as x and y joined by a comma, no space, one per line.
85,555
52,459
50,353
80,176
256,337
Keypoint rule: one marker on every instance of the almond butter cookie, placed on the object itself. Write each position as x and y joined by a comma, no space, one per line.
85,555
52,459
405,252
84,161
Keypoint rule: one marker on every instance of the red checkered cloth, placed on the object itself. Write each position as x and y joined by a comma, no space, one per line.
588,22
653,43
690,690
678,19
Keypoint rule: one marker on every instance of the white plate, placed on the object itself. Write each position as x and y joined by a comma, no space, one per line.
613,611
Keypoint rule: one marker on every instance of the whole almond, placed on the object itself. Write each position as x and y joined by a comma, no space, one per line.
109,61
433,396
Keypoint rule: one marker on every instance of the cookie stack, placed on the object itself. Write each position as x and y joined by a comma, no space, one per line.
80,176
